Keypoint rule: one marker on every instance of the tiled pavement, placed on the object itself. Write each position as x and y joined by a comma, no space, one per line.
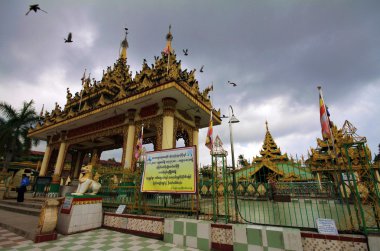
100,239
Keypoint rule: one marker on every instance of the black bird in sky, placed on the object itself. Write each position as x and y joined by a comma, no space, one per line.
232,83
69,37
34,7
201,70
185,52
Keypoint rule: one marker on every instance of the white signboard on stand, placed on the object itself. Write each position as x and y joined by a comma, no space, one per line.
326,226
120,209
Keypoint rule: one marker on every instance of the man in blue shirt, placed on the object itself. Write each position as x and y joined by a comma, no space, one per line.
21,190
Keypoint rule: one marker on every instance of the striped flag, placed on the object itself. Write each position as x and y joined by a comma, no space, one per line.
138,148
325,123
209,140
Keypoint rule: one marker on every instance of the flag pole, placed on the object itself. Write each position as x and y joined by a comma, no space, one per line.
212,140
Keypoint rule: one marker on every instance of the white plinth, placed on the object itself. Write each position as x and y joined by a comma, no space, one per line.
80,213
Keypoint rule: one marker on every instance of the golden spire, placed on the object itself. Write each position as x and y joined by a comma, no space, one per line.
266,125
124,46
169,37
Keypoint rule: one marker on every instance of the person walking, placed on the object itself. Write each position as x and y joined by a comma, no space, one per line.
22,189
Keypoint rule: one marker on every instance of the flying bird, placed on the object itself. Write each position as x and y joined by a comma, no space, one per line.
232,83
69,37
34,7
201,70
185,52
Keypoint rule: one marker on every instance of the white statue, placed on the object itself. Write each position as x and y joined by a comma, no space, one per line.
86,182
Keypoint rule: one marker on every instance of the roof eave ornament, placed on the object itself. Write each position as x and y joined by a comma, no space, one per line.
169,38
124,45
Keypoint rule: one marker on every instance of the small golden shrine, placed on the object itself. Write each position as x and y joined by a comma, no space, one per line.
328,158
109,114
272,165
270,151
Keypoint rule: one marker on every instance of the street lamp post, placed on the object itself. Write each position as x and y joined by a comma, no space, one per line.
232,120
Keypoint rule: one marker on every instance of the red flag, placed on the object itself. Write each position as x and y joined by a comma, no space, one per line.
138,148
209,140
325,123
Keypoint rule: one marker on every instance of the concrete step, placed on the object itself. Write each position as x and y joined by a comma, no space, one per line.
21,209
26,203
21,224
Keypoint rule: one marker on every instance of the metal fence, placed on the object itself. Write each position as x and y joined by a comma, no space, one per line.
292,203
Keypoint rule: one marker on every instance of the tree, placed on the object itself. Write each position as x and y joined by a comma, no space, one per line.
14,127
242,162
377,156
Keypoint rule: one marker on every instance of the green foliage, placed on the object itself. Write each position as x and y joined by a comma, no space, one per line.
377,156
242,161
14,127
206,172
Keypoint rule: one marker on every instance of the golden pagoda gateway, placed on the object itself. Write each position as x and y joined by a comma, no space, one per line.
109,113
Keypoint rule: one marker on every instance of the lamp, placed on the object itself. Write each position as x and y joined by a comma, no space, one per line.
233,120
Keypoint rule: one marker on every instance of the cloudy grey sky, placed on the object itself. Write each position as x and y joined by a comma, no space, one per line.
278,52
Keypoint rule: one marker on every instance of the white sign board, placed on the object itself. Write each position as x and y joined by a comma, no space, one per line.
120,209
326,226
67,204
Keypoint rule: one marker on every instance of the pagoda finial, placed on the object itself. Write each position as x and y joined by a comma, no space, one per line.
169,37
266,125
124,45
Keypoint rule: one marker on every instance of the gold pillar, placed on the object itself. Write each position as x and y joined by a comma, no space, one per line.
77,165
95,156
61,156
45,161
128,145
377,175
319,181
168,123
197,121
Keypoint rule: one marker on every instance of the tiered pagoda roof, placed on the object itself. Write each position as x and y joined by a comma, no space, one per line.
117,87
283,168
270,151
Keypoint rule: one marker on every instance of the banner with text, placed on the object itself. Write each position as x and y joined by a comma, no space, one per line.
170,171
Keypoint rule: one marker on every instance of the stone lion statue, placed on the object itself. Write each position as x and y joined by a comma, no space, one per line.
86,183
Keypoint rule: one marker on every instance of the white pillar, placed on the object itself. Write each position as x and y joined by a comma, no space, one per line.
45,161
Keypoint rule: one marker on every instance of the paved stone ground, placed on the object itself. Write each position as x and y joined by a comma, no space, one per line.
100,239
9,239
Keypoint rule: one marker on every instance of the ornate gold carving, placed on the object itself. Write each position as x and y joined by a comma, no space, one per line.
131,113
183,130
169,106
